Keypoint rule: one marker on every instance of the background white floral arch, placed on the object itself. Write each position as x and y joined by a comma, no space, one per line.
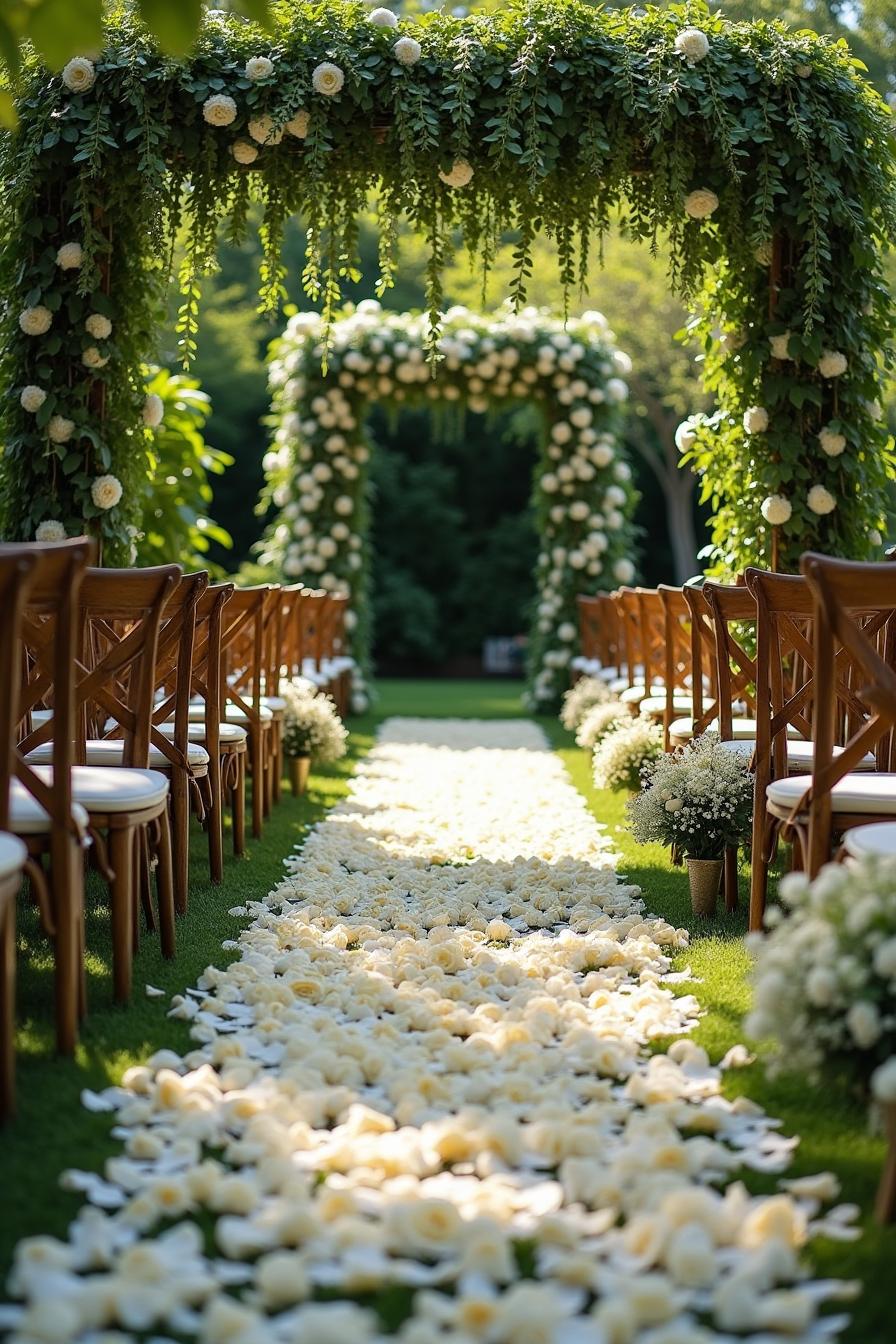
317,469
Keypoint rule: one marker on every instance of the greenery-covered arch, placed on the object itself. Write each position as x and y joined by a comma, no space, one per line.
318,468
761,153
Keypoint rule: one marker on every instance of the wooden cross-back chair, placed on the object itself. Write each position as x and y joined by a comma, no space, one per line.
631,665
119,616
16,576
333,661
592,641
291,649
246,628
43,811
704,713
679,672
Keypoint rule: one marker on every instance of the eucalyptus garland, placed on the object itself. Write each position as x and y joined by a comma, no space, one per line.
761,154
317,469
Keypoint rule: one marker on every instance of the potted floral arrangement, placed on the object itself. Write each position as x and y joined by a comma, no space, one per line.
622,755
824,987
697,801
580,698
312,730
600,720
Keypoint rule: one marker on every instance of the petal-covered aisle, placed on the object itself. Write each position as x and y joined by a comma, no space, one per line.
424,1099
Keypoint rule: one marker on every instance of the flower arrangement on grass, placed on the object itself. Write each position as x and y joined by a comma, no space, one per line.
600,720
582,697
824,984
312,726
623,755
697,800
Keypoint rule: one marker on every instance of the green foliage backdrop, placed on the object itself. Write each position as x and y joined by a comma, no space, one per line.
762,154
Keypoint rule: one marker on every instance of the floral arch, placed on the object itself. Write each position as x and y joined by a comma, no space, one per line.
761,153
318,468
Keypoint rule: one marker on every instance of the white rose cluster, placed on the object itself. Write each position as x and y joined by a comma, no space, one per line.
413,1063
825,975
317,464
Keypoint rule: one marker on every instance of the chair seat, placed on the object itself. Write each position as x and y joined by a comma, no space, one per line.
741,729
229,734
875,841
27,817
656,704
112,788
871,792
108,752
233,714
275,703
607,674
800,754
634,694
12,855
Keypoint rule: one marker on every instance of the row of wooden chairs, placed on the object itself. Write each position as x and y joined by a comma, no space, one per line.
133,699
795,672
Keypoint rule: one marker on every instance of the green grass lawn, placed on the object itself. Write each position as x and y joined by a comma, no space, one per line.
52,1131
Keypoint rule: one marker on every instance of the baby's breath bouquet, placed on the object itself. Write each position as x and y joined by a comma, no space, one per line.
623,755
580,698
697,800
600,720
312,726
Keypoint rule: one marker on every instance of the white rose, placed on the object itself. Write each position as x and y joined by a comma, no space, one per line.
821,501
60,430
863,1021
756,420
265,132
106,492
35,321
70,256
831,442
327,79
693,44
623,571
883,1082
383,18
685,436
617,390
562,432
32,398
259,67
566,632
92,358
700,204
98,326
300,124
79,75
153,410
832,363
219,110
461,174
344,506
885,959
780,346
51,530
549,483
244,151
407,51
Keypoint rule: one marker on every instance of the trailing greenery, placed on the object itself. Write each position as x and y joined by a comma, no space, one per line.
175,524
318,469
761,153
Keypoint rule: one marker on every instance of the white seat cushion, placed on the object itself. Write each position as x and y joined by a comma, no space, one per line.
229,733
232,713
27,817
12,855
800,754
112,788
608,674
108,752
741,729
870,792
656,704
875,841
275,703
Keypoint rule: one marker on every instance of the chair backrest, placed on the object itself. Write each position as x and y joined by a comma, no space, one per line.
631,661
175,662
207,672
243,645
652,621
854,614
733,611
17,572
678,672
314,618
290,632
704,682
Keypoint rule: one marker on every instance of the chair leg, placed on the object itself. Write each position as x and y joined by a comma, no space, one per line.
239,806
765,842
121,859
267,757
180,838
7,999
730,869
165,888
143,886
256,748
277,762
67,879
215,823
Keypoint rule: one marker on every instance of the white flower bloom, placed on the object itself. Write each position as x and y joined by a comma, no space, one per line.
244,151
265,131
60,429
623,571
832,442
461,174
35,321
327,79
259,67
219,110
344,506
383,18
32,398
79,74
70,256
883,1082
702,203
407,51
153,410
106,491
776,509
92,358
299,124
780,346
820,500
693,44
98,326
51,530
756,420
832,364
